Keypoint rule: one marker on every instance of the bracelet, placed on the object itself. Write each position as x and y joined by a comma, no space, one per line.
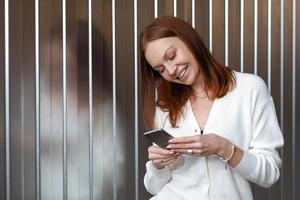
229,158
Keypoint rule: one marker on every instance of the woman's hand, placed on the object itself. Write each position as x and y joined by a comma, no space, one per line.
161,157
201,145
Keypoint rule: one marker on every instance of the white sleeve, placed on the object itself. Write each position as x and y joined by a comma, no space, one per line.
155,179
261,162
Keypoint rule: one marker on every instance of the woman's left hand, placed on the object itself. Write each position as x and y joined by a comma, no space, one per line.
201,145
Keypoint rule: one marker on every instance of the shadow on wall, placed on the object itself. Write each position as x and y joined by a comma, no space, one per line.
78,146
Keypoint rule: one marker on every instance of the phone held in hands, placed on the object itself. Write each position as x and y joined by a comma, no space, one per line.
159,137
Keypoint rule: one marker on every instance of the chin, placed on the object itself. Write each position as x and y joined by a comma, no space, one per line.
188,81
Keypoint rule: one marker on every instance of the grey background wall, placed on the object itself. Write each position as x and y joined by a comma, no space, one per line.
70,118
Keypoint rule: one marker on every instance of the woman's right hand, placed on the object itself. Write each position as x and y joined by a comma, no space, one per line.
161,157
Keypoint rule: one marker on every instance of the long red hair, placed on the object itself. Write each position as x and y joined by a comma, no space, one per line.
171,97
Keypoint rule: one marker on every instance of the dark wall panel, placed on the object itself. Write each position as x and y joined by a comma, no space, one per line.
125,129
165,8
218,30
262,63
262,40
78,100
184,10
51,115
288,109
234,40
202,22
22,100
248,36
102,100
275,191
145,15
15,77
2,104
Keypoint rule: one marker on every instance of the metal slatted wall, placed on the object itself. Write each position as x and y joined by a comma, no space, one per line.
70,120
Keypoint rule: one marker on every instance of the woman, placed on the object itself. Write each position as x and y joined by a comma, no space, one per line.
224,122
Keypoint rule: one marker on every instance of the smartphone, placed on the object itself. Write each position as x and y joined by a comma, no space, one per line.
159,137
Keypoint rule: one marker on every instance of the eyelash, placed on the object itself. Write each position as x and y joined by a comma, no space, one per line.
172,56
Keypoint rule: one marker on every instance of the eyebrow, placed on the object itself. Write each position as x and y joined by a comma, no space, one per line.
165,56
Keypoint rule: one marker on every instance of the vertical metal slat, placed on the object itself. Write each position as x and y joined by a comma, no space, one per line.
193,14
242,36
269,43
175,8
90,101
294,101
114,99
136,128
64,102
210,25
255,36
37,101
226,32
281,80
7,123
155,9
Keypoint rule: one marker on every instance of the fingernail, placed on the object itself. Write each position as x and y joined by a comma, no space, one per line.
169,146
171,152
171,140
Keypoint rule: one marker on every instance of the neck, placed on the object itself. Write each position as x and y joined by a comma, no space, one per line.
198,87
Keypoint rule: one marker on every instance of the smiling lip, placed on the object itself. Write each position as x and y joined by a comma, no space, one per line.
182,73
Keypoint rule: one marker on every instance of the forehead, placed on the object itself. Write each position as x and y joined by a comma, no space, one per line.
155,49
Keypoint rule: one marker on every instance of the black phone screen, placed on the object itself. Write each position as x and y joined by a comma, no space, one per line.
159,137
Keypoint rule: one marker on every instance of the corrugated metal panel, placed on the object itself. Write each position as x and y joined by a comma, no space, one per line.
70,112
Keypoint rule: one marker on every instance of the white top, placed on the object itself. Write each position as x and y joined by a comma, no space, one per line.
245,116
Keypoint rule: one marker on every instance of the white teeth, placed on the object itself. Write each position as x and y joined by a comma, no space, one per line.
182,73
180,76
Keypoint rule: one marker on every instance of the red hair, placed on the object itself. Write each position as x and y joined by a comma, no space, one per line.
171,97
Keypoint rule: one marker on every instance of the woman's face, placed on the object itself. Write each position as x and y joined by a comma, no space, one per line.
173,60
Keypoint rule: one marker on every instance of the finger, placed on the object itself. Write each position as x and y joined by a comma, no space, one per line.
194,145
168,163
187,139
168,159
184,151
153,156
161,162
157,162
196,152
158,150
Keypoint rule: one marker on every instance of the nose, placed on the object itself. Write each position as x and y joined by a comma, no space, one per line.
171,69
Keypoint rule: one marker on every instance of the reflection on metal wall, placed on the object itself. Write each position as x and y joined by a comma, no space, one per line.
70,125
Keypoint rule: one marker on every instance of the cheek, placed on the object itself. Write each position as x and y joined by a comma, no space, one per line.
195,69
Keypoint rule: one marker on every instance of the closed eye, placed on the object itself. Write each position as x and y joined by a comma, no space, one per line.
172,56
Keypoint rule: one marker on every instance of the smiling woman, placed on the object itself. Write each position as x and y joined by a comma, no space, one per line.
172,48
217,116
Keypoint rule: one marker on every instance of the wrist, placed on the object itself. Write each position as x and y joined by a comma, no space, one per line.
225,148
226,157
